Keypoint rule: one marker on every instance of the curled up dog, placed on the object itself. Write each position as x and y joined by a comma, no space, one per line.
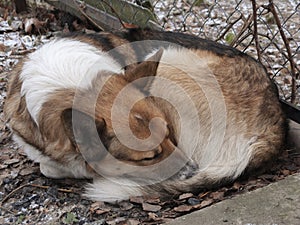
144,112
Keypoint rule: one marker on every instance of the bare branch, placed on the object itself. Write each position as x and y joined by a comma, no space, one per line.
255,30
287,46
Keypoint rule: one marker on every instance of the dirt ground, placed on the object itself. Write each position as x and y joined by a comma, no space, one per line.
27,197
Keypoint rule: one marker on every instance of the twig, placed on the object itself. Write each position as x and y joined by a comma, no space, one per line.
228,28
244,28
12,192
204,194
255,30
59,189
242,38
7,210
288,49
32,185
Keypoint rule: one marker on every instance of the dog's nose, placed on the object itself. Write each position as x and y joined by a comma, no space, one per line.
148,155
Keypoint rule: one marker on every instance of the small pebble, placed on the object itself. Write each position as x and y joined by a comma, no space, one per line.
193,201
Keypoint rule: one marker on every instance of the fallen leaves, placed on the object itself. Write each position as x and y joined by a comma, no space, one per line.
99,208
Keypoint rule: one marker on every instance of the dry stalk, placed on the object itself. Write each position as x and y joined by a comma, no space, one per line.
272,9
255,30
228,28
244,28
86,16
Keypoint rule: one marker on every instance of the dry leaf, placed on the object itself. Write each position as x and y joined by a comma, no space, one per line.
3,166
5,14
117,221
185,196
218,195
22,153
99,208
206,203
133,222
286,172
101,211
27,171
97,205
5,158
266,177
237,185
2,47
153,200
150,208
125,205
137,199
183,208
152,216
11,161
32,25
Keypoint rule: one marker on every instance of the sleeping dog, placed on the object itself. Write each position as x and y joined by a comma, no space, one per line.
144,112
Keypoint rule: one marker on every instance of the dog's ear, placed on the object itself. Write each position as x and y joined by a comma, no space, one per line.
85,133
145,69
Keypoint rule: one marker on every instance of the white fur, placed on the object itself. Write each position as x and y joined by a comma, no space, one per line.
32,153
52,169
75,168
62,63
112,189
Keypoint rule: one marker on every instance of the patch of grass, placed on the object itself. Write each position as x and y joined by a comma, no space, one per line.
20,219
199,2
70,218
229,37
270,19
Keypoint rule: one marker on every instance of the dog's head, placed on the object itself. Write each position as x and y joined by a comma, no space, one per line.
131,127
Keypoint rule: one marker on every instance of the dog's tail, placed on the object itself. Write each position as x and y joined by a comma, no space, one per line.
114,189
219,169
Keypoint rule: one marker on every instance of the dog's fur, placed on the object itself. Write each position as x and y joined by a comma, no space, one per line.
238,126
